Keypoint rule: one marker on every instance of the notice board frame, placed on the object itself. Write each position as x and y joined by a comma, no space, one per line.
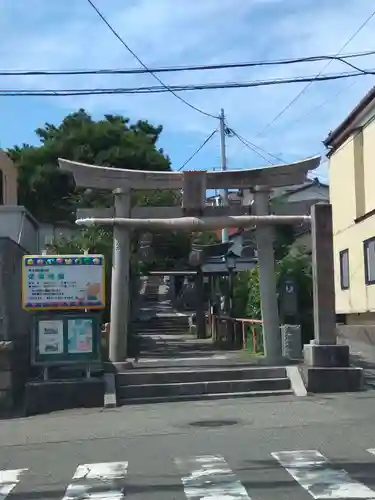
65,358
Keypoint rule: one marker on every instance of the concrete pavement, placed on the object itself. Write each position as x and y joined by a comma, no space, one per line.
230,450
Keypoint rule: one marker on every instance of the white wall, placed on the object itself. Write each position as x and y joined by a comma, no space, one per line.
48,233
20,226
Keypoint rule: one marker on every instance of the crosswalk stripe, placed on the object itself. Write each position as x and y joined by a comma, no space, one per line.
9,480
209,477
317,476
98,481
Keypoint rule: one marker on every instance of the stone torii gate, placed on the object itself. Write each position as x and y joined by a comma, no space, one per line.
192,216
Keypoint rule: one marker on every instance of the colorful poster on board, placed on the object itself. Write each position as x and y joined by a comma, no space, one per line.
50,337
80,332
63,282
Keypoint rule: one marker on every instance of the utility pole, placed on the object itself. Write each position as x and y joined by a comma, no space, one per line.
225,300
224,194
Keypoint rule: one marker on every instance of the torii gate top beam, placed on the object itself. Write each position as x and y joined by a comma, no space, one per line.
99,177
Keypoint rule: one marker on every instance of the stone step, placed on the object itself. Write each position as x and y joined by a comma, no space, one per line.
161,330
177,376
202,397
203,388
160,324
157,324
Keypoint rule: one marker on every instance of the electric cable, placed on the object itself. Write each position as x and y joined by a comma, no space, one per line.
255,147
176,88
197,150
169,89
295,99
351,139
175,69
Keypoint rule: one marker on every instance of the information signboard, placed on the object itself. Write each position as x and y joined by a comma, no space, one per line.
63,282
62,338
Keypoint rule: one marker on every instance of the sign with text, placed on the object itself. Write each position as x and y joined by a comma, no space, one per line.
63,338
63,282
80,333
50,336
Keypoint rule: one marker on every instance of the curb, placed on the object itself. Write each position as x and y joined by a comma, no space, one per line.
296,381
110,398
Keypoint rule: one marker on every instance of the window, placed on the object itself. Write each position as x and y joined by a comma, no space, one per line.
344,269
369,258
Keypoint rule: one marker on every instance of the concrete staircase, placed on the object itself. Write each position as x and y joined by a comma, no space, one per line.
151,291
160,385
173,365
162,324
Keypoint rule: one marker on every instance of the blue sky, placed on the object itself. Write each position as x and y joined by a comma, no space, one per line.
62,34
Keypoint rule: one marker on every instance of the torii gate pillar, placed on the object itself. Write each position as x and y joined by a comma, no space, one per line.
118,337
267,278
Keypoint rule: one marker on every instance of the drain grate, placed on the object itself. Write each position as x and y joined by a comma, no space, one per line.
214,423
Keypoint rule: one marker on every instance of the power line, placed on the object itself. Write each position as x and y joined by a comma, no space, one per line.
155,89
197,151
254,150
348,141
253,147
295,99
169,89
322,104
173,69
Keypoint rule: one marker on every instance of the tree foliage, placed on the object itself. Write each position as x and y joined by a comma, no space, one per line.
296,266
48,193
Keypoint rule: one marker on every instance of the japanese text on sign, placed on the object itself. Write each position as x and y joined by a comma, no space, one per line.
63,282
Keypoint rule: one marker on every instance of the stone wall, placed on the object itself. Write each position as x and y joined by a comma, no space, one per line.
6,393
15,325
14,370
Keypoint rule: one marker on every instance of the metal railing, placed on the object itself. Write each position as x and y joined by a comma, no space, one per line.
250,331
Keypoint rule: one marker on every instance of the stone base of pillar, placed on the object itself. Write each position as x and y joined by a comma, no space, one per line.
327,356
327,369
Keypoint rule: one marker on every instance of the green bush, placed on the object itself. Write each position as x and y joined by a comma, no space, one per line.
295,266
93,240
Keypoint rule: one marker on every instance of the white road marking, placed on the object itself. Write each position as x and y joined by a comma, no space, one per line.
317,476
210,478
9,480
104,481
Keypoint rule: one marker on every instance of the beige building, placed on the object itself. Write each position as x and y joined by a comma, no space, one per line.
352,194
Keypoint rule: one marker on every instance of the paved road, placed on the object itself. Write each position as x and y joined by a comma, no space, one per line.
263,449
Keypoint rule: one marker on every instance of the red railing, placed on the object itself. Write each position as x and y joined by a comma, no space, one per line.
256,330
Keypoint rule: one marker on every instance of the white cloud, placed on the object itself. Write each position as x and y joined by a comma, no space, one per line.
178,32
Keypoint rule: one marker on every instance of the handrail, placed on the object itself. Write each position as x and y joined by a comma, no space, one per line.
245,322
242,320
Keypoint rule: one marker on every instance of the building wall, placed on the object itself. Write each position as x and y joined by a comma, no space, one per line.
352,195
311,193
17,224
369,170
48,233
360,297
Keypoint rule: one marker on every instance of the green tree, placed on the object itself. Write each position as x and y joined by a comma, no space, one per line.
295,266
48,193
97,240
